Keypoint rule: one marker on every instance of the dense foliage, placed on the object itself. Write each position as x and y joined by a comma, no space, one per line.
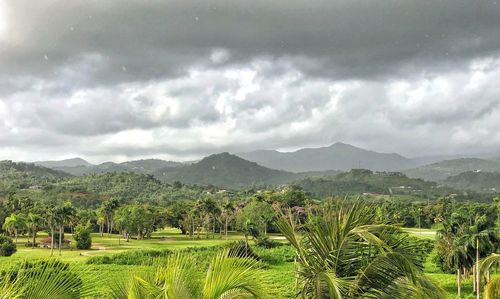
7,246
82,236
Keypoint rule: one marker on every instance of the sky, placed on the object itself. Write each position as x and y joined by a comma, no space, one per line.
117,80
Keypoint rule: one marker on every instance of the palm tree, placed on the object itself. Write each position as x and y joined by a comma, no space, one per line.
455,246
63,214
101,219
483,241
33,221
227,211
108,209
340,254
15,223
51,220
208,210
228,276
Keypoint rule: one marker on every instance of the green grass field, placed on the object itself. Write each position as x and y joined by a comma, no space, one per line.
280,277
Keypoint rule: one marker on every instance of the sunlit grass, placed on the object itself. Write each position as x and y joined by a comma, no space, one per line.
166,239
281,277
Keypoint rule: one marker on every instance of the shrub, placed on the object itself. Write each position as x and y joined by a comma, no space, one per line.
82,237
133,257
276,255
266,242
7,246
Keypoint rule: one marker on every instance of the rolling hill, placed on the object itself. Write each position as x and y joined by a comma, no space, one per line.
441,170
339,156
79,166
225,170
477,181
358,181
26,175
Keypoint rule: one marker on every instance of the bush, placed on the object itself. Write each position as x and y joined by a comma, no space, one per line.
276,255
133,257
7,246
82,237
266,242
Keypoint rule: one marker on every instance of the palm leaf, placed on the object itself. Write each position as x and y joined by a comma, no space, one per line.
49,279
492,289
490,261
394,276
233,277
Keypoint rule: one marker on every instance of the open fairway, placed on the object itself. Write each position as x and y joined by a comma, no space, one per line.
169,238
280,277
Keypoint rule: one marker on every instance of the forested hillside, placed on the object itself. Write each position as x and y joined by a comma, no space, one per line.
15,176
338,156
358,181
441,170
477,181
228,171
77,167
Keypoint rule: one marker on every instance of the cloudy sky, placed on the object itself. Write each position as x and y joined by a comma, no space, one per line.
117,80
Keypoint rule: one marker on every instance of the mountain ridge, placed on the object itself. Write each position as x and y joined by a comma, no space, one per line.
338,156
439,171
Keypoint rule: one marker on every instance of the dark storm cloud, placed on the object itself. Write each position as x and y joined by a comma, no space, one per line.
118,79
341,39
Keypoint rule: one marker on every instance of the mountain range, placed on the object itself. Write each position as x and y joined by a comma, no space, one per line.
476,180
439,171
339,156
271,167
78,166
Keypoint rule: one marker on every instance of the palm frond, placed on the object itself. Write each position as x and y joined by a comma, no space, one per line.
492,289
488,262
49,279
233,277
393,275
177,278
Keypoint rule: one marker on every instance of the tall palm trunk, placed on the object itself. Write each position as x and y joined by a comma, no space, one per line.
192,228
108,226
34,236
474,284
213,229
478,272
459,281
207,228
51,240
15,235
111,229
60,239
225,228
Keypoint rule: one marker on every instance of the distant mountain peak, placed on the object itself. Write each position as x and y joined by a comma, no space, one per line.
340,143
71,162
338,156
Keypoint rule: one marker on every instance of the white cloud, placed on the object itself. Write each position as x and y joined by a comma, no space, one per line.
183,80
241,109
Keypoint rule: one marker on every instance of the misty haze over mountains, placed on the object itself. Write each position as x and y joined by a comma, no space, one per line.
274,167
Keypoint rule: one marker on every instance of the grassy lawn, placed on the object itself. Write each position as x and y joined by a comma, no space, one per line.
424,233
166,239
281,278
